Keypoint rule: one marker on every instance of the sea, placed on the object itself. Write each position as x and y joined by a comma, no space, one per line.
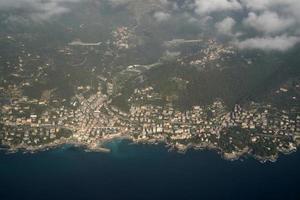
140,172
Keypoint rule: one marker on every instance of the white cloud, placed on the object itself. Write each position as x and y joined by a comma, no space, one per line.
268,22
257,5
278,20
225,26
38,9
204,7
276,23
279,43
161,16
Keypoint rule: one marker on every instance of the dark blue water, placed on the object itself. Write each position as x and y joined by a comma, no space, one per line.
144,172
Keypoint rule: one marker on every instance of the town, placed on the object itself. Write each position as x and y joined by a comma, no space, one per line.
34,117
258,129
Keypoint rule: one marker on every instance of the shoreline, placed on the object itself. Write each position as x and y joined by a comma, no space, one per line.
179,148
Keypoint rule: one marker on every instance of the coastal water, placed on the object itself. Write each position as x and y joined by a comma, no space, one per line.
144,172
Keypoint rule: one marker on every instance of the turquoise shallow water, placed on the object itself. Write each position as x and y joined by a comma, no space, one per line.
144,172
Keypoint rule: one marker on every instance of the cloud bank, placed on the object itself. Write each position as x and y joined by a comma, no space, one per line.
275,22
249,24
280,43
254,24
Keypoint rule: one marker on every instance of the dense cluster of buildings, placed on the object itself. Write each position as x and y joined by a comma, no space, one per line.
93,120
31,123
207,124
212,52
121,38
